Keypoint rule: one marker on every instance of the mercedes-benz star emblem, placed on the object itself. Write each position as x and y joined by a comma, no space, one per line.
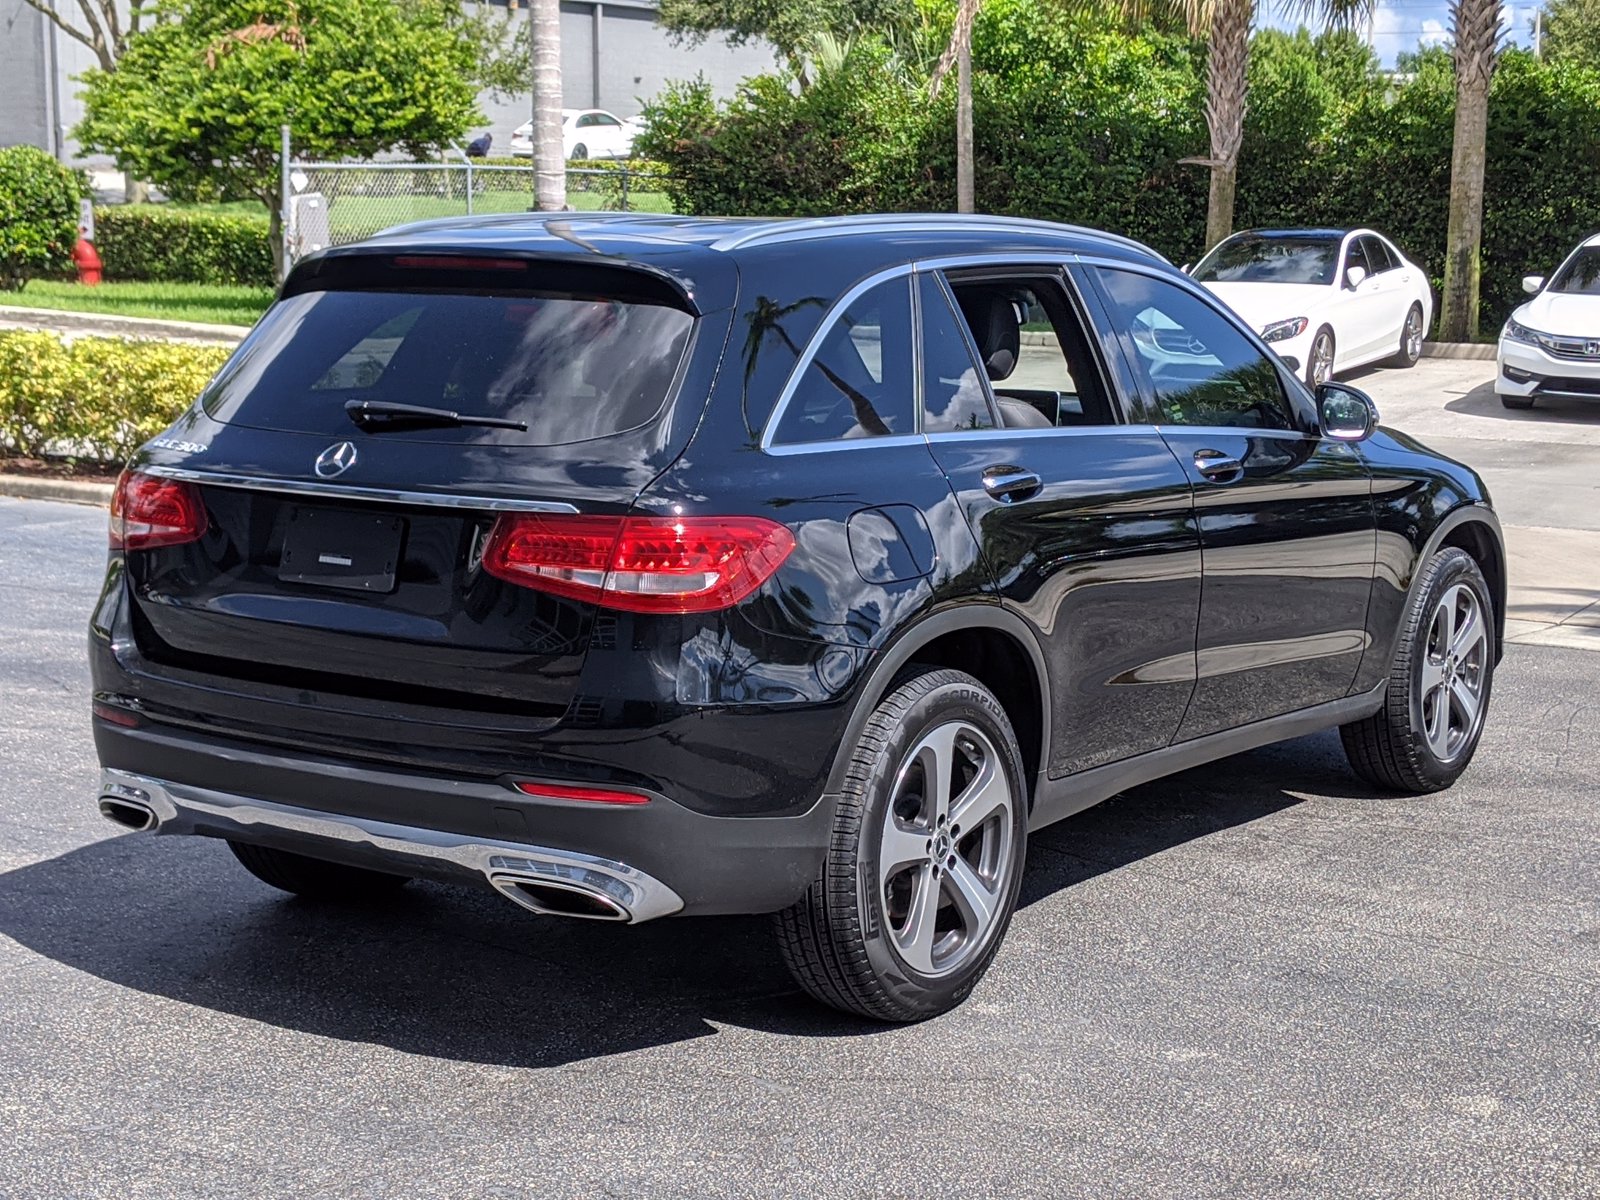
336,460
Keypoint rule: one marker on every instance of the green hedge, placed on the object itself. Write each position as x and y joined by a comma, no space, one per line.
38,215
94,398
151,243
1078,123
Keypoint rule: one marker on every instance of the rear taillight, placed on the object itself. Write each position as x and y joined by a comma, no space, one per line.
639,564
147,511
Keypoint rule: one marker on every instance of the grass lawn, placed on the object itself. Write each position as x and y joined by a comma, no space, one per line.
351,218
208,303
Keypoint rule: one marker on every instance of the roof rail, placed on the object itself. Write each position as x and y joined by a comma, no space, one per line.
794,230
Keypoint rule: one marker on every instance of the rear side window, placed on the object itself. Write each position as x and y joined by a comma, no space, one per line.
858,383
571,366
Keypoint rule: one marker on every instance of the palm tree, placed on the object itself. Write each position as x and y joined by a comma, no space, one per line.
1476,29
549,151
959,54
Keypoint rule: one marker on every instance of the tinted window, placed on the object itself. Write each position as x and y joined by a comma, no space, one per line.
858,383
571,367
953,395
1357,257
1200,368
1378,256
1580,275
1251,258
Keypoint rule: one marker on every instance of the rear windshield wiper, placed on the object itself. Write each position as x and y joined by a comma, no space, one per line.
377,415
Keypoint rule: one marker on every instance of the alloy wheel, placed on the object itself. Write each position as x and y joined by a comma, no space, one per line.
946,852
1321,360
1454,671
1413,335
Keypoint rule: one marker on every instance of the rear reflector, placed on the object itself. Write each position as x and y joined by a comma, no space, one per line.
639,564
115,715
588,795
147,511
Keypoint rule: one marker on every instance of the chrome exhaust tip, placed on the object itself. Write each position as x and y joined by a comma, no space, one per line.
559,898
130,814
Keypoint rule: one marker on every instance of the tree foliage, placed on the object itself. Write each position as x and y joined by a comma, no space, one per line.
1082,124
38,215
791,26
1572,32
199,95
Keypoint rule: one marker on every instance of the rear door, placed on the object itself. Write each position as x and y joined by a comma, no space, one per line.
1285,518
1085,521
1392,294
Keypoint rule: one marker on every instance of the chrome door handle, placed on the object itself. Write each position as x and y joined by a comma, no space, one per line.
1010,483
1217,466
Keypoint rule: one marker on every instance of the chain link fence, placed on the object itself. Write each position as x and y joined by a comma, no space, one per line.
331,203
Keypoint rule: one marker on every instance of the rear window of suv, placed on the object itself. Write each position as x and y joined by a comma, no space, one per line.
571,365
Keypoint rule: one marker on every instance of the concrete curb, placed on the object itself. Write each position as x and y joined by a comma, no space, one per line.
80,324
73,491
1470,350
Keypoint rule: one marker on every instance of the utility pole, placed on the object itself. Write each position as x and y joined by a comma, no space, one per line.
1538,33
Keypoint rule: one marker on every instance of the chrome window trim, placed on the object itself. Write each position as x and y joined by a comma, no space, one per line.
330,491
824,328
861,443
950,435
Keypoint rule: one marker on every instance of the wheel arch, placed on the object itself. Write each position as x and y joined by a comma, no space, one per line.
991,644
1475,529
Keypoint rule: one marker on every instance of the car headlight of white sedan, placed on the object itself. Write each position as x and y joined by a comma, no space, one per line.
1283,331
1521,333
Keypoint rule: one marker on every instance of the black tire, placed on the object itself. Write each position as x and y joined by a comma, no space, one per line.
843,941
313,878
1392,748
1517,401
1323,335
1410,352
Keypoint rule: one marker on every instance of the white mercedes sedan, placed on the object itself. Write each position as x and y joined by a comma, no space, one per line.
1326,300
1551,345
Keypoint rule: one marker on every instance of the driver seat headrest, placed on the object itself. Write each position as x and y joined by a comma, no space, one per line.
995,318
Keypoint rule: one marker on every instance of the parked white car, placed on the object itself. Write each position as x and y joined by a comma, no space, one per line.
1551,345
585,133
1326,300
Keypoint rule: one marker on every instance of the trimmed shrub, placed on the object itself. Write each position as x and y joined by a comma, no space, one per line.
153,244
38,215
95,398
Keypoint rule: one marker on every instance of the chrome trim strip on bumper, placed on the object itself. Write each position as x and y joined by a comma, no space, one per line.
334,491
180,809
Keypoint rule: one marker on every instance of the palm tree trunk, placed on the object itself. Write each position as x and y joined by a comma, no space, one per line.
549,153
966,197
958,54
1227,58
1477,35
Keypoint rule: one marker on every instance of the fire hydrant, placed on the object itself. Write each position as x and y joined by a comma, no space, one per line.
87,260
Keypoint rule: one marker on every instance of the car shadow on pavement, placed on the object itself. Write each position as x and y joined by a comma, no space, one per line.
1482,401
461,974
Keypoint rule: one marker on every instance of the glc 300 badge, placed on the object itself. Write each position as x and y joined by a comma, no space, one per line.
335,460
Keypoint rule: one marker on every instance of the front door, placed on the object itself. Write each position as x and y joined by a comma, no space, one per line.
1085,521
1285,517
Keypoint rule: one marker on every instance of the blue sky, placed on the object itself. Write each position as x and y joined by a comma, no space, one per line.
1400,25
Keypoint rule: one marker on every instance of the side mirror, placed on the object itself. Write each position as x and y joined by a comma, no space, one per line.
1346,414
1353,277
1532,283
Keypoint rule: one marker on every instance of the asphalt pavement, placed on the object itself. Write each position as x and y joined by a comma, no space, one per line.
1256,979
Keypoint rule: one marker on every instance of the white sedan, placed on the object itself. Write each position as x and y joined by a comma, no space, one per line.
585,133
1326,300
1551,345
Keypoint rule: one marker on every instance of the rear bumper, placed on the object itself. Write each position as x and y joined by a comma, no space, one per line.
636,862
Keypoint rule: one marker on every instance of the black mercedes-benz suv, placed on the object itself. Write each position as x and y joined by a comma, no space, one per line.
637,566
